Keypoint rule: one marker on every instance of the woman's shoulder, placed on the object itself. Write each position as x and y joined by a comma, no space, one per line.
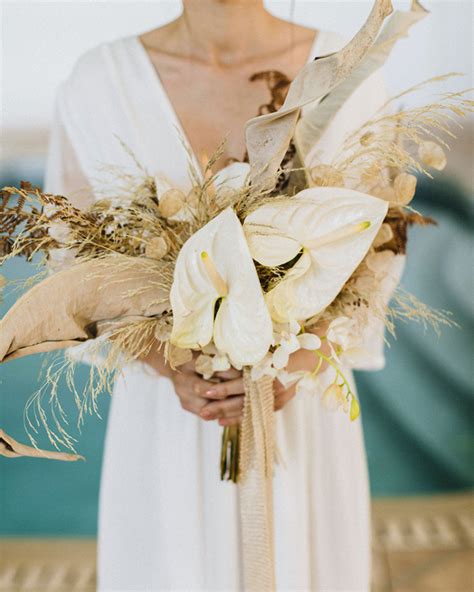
91,67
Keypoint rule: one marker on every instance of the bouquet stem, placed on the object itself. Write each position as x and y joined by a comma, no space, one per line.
230,454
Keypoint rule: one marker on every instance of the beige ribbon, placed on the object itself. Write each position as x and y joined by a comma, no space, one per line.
256,458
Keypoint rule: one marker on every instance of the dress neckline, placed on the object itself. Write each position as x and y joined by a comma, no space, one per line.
155,81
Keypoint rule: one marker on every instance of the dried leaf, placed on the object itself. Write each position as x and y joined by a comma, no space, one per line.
13,449
313,125
268,136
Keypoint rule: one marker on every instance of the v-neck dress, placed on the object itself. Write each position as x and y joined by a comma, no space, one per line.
166,521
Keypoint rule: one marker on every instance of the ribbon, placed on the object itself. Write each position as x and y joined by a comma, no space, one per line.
256,458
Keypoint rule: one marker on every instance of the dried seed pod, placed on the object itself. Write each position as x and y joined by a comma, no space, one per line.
177,356
156,248
405,187
367,138
432,155
171,202
163,329
387,193
384,235
192,199
203,366
379,262
324,175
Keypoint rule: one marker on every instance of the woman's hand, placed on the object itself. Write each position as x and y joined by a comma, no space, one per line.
222,398
229,392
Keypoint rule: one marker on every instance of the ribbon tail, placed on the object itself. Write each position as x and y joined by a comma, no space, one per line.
256,459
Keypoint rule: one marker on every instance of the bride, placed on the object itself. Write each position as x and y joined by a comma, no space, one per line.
166,521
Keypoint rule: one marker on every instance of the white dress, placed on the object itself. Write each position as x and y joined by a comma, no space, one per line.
166,520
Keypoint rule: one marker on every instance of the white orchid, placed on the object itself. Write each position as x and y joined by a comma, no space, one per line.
334,397
345,337
216,294
328,230
288,340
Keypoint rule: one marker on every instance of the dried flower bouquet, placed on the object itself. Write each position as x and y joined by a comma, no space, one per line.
240,270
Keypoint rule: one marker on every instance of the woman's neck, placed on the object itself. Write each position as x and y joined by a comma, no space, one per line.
224,32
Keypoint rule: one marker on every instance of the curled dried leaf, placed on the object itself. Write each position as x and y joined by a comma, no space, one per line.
432,155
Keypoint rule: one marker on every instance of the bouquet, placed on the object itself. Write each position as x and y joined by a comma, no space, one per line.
240,270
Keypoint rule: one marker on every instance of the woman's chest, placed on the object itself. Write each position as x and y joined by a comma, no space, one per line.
212,105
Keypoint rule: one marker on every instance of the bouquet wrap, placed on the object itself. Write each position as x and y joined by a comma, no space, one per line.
256,460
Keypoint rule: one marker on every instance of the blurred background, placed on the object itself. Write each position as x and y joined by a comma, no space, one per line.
417,413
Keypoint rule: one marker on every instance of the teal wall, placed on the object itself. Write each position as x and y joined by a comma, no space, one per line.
417,412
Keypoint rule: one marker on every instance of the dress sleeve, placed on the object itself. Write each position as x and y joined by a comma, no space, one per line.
371,354
64,176
63,173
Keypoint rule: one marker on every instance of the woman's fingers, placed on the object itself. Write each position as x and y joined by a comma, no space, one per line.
231,407
282,396
228,374
230,421
190,390
225,389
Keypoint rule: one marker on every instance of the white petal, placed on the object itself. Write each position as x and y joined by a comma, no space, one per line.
280,357
220,363
309,341
242,328
334,227
233,176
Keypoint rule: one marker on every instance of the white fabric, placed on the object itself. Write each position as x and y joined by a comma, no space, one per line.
166,521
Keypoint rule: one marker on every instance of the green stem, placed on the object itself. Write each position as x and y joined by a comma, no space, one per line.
337,369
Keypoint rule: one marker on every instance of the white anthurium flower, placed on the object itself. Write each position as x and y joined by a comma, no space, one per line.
330,229
214,271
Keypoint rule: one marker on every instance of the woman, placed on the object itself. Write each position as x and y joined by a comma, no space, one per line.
166,521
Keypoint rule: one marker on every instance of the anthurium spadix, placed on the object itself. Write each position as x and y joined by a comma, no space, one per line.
216,294
327,230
